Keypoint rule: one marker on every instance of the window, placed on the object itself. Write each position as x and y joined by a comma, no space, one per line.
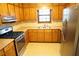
44,15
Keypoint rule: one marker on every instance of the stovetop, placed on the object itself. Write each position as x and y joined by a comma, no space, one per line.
12,35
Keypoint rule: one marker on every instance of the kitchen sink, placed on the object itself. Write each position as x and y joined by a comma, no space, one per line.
42,27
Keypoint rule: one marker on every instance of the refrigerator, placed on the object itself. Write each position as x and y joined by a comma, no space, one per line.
70,32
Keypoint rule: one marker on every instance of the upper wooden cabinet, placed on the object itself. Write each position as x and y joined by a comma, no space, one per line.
28,11
32,14
54,13
60,12
11,9
17,10
21,14
26,14
20,5
4,9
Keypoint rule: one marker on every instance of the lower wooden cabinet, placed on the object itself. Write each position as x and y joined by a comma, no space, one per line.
48,35
9,50
33,35
41,36
44,35
26,37
59,35
56,35
1,52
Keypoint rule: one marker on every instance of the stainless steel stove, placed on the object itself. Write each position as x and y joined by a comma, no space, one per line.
8,33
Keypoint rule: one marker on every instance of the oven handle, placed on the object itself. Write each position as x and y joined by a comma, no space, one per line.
19,37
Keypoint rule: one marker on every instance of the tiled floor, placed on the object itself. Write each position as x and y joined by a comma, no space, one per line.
42,49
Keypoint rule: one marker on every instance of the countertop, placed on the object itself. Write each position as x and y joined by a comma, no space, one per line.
5,42
23,26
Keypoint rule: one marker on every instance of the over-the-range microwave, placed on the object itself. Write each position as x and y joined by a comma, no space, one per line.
8,19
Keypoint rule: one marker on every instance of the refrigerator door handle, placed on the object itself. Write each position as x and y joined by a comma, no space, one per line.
62,37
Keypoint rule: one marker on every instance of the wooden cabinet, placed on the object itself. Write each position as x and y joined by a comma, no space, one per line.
9,50
4,9
1,52
21,13
56,35
32,14
33,35
60,12
26,14
11,9
55,13
59,35
17,13
41,36
26,37
48,35
44,35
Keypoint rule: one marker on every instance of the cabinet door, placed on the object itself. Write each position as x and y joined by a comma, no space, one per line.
10,50
41,35
1,53
55,13
60,12
26,37
56,37
17,13
26,14
11,9
32,14
48,35
33,35
21,13
4,9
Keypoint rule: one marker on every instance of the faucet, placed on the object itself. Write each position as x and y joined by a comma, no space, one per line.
45,26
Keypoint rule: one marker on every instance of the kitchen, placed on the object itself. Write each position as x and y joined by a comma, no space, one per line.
34,29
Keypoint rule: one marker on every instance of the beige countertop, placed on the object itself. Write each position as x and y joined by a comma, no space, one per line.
23,26
5,42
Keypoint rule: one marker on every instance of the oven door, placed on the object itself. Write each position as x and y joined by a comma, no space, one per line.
19,42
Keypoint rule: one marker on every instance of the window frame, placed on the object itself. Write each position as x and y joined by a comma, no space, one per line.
44,15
